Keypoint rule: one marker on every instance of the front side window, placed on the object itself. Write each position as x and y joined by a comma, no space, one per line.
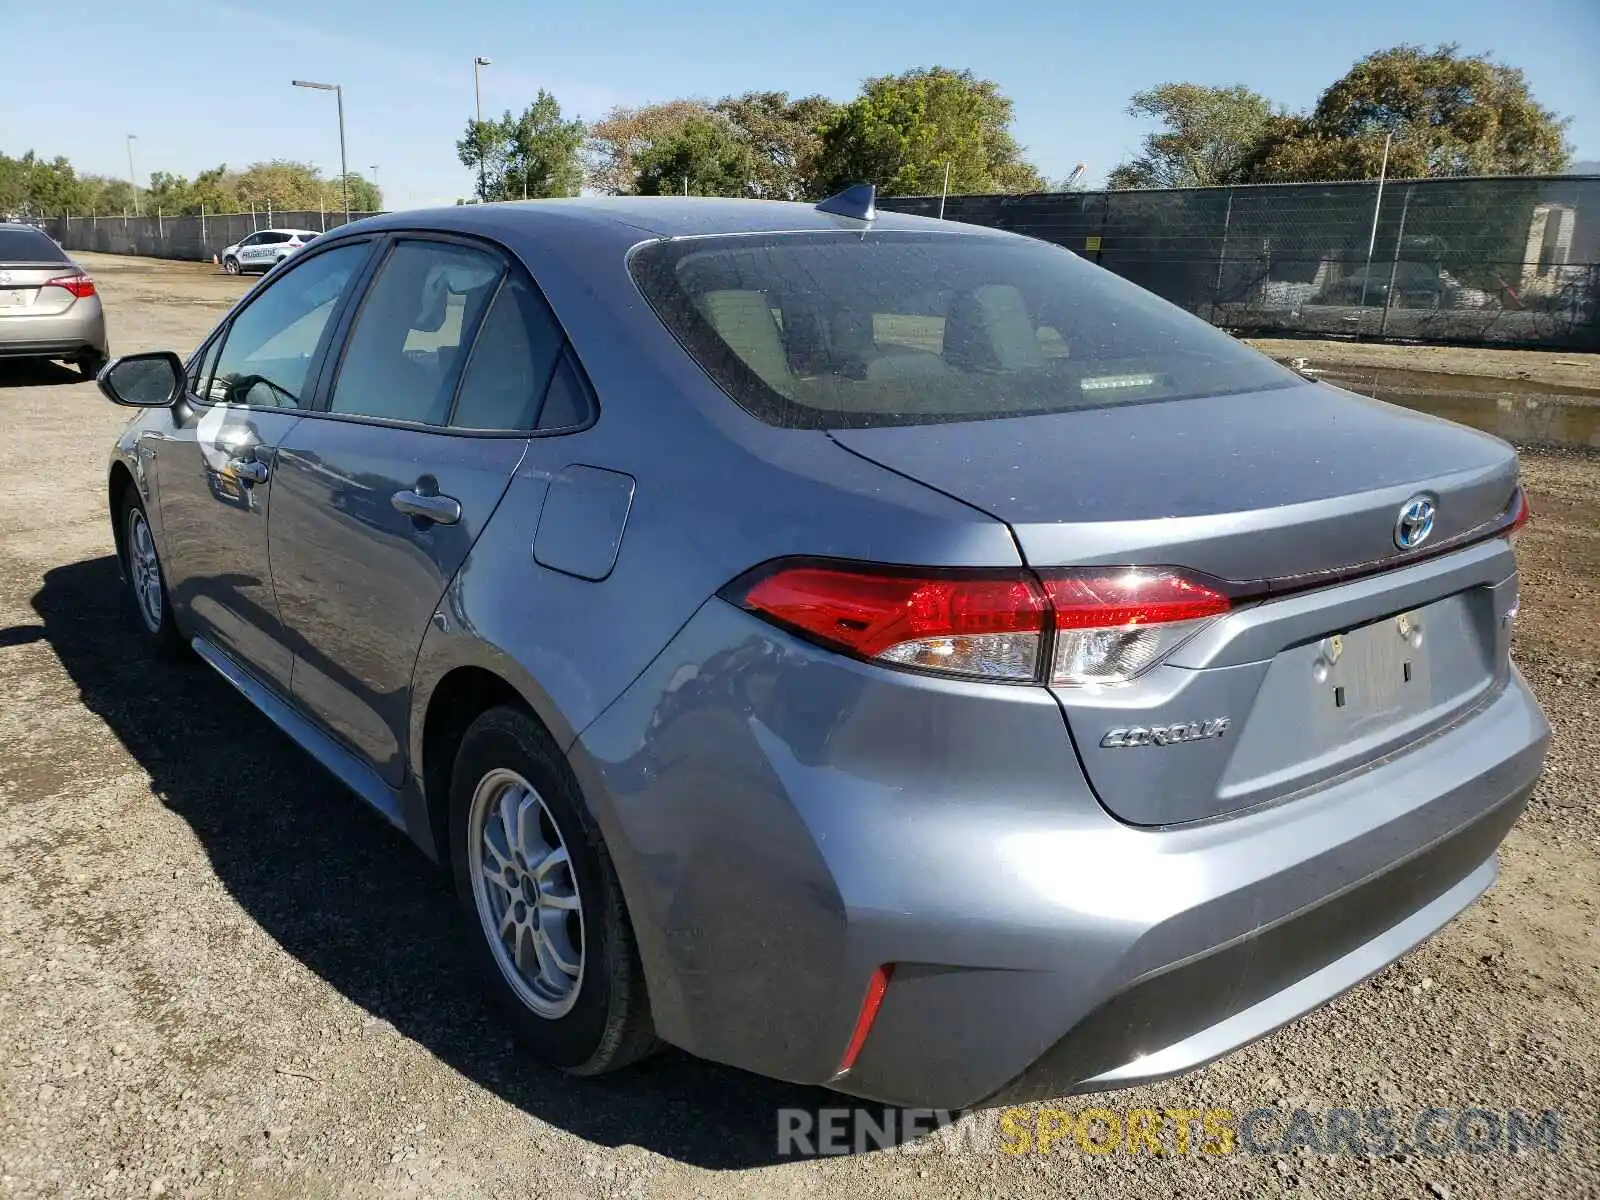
267,355
408,344
836,330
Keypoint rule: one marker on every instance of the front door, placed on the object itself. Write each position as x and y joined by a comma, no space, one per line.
215,465
379,499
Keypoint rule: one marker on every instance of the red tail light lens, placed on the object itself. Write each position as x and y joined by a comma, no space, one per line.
1091,626
983,624
1521,514
79,284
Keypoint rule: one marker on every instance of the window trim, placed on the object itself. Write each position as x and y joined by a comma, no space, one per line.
511,265
324,340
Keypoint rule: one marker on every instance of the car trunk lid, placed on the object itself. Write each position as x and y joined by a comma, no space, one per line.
25,290
1345,646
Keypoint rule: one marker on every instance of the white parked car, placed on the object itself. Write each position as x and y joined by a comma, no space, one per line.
263,249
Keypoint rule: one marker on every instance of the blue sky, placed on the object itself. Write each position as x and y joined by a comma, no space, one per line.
207,81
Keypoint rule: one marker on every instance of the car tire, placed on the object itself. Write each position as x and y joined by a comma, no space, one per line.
527,855
147,581
231,266
92,363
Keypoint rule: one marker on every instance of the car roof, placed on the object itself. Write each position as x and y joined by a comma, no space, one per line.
635,217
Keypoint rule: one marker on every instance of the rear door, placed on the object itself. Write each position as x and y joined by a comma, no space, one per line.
381,495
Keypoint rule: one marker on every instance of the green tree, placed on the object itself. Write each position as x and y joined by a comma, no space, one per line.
616,141
364,194
1207,134
903,130
285,184
705,157
1449,115
523,157
784,137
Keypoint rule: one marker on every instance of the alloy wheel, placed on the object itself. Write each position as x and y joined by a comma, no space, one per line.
526,893
144,570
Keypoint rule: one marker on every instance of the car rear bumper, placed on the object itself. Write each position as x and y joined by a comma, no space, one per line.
786,821
63,335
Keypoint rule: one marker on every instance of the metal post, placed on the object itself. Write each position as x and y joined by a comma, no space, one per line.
1222,256
269,212
477,128
204,241
344,168
1394,265
946,190
1377,205
344,171
161,229
133,179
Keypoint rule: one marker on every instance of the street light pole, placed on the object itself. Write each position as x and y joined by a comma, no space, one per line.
344,171
374,169
133,178
477,130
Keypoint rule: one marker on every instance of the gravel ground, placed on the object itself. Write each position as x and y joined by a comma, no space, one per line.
219,976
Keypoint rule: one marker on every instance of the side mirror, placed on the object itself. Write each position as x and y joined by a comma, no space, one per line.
152,380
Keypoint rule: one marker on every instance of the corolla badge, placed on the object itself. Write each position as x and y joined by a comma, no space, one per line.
1414,524
1165,735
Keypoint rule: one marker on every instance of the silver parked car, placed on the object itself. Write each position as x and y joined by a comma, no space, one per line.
870,651
48,304
264,249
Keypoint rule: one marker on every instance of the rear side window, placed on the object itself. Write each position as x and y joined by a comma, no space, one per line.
406,351
568,402
511,362
29,246
833,330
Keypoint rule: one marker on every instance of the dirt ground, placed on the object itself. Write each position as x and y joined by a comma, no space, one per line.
1556,368
220,976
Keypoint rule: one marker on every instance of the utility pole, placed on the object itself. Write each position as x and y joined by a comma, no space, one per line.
946,190
374,169
477,94
344,170
133,178
1377,205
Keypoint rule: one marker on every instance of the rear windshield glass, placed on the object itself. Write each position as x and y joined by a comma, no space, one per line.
836,330
28,245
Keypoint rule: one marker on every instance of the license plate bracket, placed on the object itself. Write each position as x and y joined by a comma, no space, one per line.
1374,674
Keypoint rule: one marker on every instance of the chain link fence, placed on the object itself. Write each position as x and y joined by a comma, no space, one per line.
197,238
1506,261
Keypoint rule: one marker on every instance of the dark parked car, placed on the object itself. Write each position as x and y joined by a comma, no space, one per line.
867,650
1415,284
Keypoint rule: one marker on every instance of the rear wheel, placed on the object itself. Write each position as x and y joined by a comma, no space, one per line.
91,363
141,567
535,880
231,265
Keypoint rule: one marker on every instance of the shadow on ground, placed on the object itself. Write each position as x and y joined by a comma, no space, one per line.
36,372
383,927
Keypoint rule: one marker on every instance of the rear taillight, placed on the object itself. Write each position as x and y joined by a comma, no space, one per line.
984,624
1113,625
1070,628
1521,514
79,284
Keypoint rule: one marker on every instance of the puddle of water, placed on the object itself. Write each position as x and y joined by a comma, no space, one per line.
1519,411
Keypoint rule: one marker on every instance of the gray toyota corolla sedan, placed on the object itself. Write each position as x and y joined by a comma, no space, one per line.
48,306
866,650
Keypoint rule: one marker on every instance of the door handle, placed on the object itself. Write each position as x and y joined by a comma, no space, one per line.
249,469
441,510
